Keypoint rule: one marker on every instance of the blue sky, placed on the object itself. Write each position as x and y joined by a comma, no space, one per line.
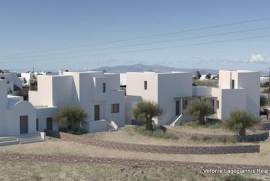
84,34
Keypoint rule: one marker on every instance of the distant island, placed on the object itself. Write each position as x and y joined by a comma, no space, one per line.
154,68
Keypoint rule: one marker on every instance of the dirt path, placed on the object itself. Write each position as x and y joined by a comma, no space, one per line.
198,166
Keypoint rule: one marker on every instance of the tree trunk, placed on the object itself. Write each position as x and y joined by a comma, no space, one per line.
149,125
202,120
242,132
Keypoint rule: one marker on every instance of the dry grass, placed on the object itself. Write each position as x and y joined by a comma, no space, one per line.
58,147
188,128
128,135
53,171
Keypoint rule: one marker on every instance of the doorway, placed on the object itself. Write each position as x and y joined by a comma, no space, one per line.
23,124
177,107
49,124
97,112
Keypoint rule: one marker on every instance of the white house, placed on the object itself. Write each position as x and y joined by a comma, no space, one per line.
17,117
96,92
174,92
27,76
166,89
13,82
107,106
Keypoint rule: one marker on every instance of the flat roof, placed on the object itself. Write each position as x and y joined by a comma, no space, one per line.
44,107
238,70
160,73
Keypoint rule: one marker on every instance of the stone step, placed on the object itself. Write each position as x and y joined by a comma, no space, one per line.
4,139
30,140
12,142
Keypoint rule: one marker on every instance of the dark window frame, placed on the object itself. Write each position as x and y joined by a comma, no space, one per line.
145,85
37,124
103,87
115,108
177,107
96,112
233,84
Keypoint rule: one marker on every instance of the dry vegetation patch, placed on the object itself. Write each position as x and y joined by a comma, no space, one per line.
23,170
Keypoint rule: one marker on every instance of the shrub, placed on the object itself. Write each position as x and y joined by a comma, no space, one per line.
265,84
239,121
200,109
146,111
263,100
214,139
266,90
209,83
210,123
159,132
71,119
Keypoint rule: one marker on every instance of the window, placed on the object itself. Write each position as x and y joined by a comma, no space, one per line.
37,124
232,84
115,108
104,87
96,112
145,85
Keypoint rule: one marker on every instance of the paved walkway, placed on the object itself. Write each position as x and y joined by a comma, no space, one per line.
90,140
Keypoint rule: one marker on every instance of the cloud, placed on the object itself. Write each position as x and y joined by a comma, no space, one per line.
257,58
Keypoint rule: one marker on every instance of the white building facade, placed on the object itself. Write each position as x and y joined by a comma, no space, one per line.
17,117
173,92
96,93
99,95
165,89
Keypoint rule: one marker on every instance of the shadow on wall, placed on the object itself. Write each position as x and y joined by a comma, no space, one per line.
131,102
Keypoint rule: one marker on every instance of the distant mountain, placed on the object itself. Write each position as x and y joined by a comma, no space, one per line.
152,68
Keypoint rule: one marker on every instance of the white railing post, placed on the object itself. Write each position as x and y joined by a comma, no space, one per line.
42,135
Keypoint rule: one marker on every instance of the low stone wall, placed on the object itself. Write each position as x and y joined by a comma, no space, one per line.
162,149
254,137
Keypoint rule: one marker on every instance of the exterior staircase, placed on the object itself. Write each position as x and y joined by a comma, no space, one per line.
22,139
8,141
113,126
30,138
176,120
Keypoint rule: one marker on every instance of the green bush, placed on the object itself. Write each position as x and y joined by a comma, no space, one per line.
214,139
71,119
263,100
157,133
266,90
213,124
265,84
209,83
145,111
239,121
200,109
